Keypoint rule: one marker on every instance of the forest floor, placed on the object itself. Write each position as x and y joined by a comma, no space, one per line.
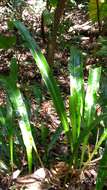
81,33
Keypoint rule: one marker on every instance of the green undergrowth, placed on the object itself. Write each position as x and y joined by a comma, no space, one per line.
81,122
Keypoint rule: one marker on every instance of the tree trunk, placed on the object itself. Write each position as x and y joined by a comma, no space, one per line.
53,38
98,16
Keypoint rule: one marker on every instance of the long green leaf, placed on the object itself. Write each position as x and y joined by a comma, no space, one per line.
76,92
19,107
91,95
46,73
90,102
6,120
18,104
10,129
2,118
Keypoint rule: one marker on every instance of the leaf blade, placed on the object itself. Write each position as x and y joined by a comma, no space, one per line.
46,74
76,92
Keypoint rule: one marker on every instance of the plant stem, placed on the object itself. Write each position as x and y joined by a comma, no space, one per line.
102,138
11,151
